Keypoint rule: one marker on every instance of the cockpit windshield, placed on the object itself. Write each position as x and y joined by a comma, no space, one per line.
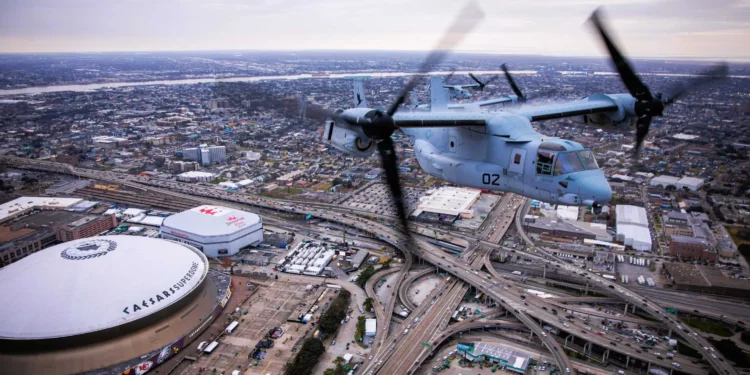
568,162
560,163
588,159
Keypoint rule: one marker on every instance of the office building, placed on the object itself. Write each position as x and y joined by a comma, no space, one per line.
205,154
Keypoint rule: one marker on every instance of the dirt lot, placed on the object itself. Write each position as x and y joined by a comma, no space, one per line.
269,307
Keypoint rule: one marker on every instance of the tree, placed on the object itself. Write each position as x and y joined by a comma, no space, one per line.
365,275
367,305
338,369
306,359
331,319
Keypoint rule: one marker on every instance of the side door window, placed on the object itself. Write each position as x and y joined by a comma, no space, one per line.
517,157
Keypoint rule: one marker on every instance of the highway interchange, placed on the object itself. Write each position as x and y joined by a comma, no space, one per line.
500,289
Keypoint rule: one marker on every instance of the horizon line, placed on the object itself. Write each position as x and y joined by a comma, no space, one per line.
743,59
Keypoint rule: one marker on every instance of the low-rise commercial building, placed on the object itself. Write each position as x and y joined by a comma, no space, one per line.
691,248
196,176
27,234
510,359
371,327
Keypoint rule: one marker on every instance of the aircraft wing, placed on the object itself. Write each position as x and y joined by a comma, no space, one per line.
435,120
574,108
458,87
502,100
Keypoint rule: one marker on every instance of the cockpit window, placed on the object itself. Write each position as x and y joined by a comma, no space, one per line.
589,161
544,162
568,162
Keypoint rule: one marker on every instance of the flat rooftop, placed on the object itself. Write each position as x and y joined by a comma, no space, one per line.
512,357
17,206
449,200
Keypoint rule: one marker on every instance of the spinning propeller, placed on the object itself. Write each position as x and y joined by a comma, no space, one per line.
480,83
378,123
647,105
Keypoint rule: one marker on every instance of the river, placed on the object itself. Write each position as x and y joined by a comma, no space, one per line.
190,81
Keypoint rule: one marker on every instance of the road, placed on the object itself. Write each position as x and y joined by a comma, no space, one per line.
714,357
396,239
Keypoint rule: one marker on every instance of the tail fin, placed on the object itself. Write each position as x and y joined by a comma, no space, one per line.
359,94
439,97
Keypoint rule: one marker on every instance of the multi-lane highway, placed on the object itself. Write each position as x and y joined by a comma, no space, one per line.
712,355
487,283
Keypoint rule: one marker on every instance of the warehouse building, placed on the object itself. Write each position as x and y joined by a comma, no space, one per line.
448,201
685,183
556,228
632,227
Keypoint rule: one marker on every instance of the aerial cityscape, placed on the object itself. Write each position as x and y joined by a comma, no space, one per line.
362,211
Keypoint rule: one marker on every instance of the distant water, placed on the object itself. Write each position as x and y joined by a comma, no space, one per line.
190,81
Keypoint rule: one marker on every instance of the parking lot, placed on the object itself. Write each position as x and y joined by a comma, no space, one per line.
633,271
377,199
269,307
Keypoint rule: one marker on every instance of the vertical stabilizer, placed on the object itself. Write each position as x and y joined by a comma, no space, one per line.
439,97
359,94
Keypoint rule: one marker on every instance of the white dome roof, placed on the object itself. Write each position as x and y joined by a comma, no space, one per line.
93,284
211,221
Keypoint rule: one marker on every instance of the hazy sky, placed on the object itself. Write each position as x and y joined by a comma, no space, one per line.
645,28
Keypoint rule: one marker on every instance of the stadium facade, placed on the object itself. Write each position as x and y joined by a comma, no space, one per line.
215,230
106,305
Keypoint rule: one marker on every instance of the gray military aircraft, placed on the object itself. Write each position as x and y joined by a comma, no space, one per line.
500,150
440,99
462,91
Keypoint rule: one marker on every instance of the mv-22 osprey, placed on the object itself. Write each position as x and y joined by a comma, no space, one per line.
500,150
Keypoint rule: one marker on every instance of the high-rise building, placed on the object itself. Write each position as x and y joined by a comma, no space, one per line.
205,154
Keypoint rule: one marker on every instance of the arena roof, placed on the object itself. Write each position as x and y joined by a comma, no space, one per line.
211,221
96,283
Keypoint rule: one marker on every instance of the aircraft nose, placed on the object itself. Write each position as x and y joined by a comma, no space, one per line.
596,189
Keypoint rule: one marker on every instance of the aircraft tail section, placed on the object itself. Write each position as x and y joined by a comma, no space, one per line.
359,94
439,97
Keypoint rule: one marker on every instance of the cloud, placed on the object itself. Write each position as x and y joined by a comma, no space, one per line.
511,26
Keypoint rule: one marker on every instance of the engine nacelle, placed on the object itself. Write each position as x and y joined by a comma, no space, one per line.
348,138
621,119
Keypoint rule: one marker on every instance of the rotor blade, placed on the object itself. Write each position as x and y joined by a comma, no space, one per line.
449,76
466,21
709,75
476,80
512,82
390,165
641,131
634,84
